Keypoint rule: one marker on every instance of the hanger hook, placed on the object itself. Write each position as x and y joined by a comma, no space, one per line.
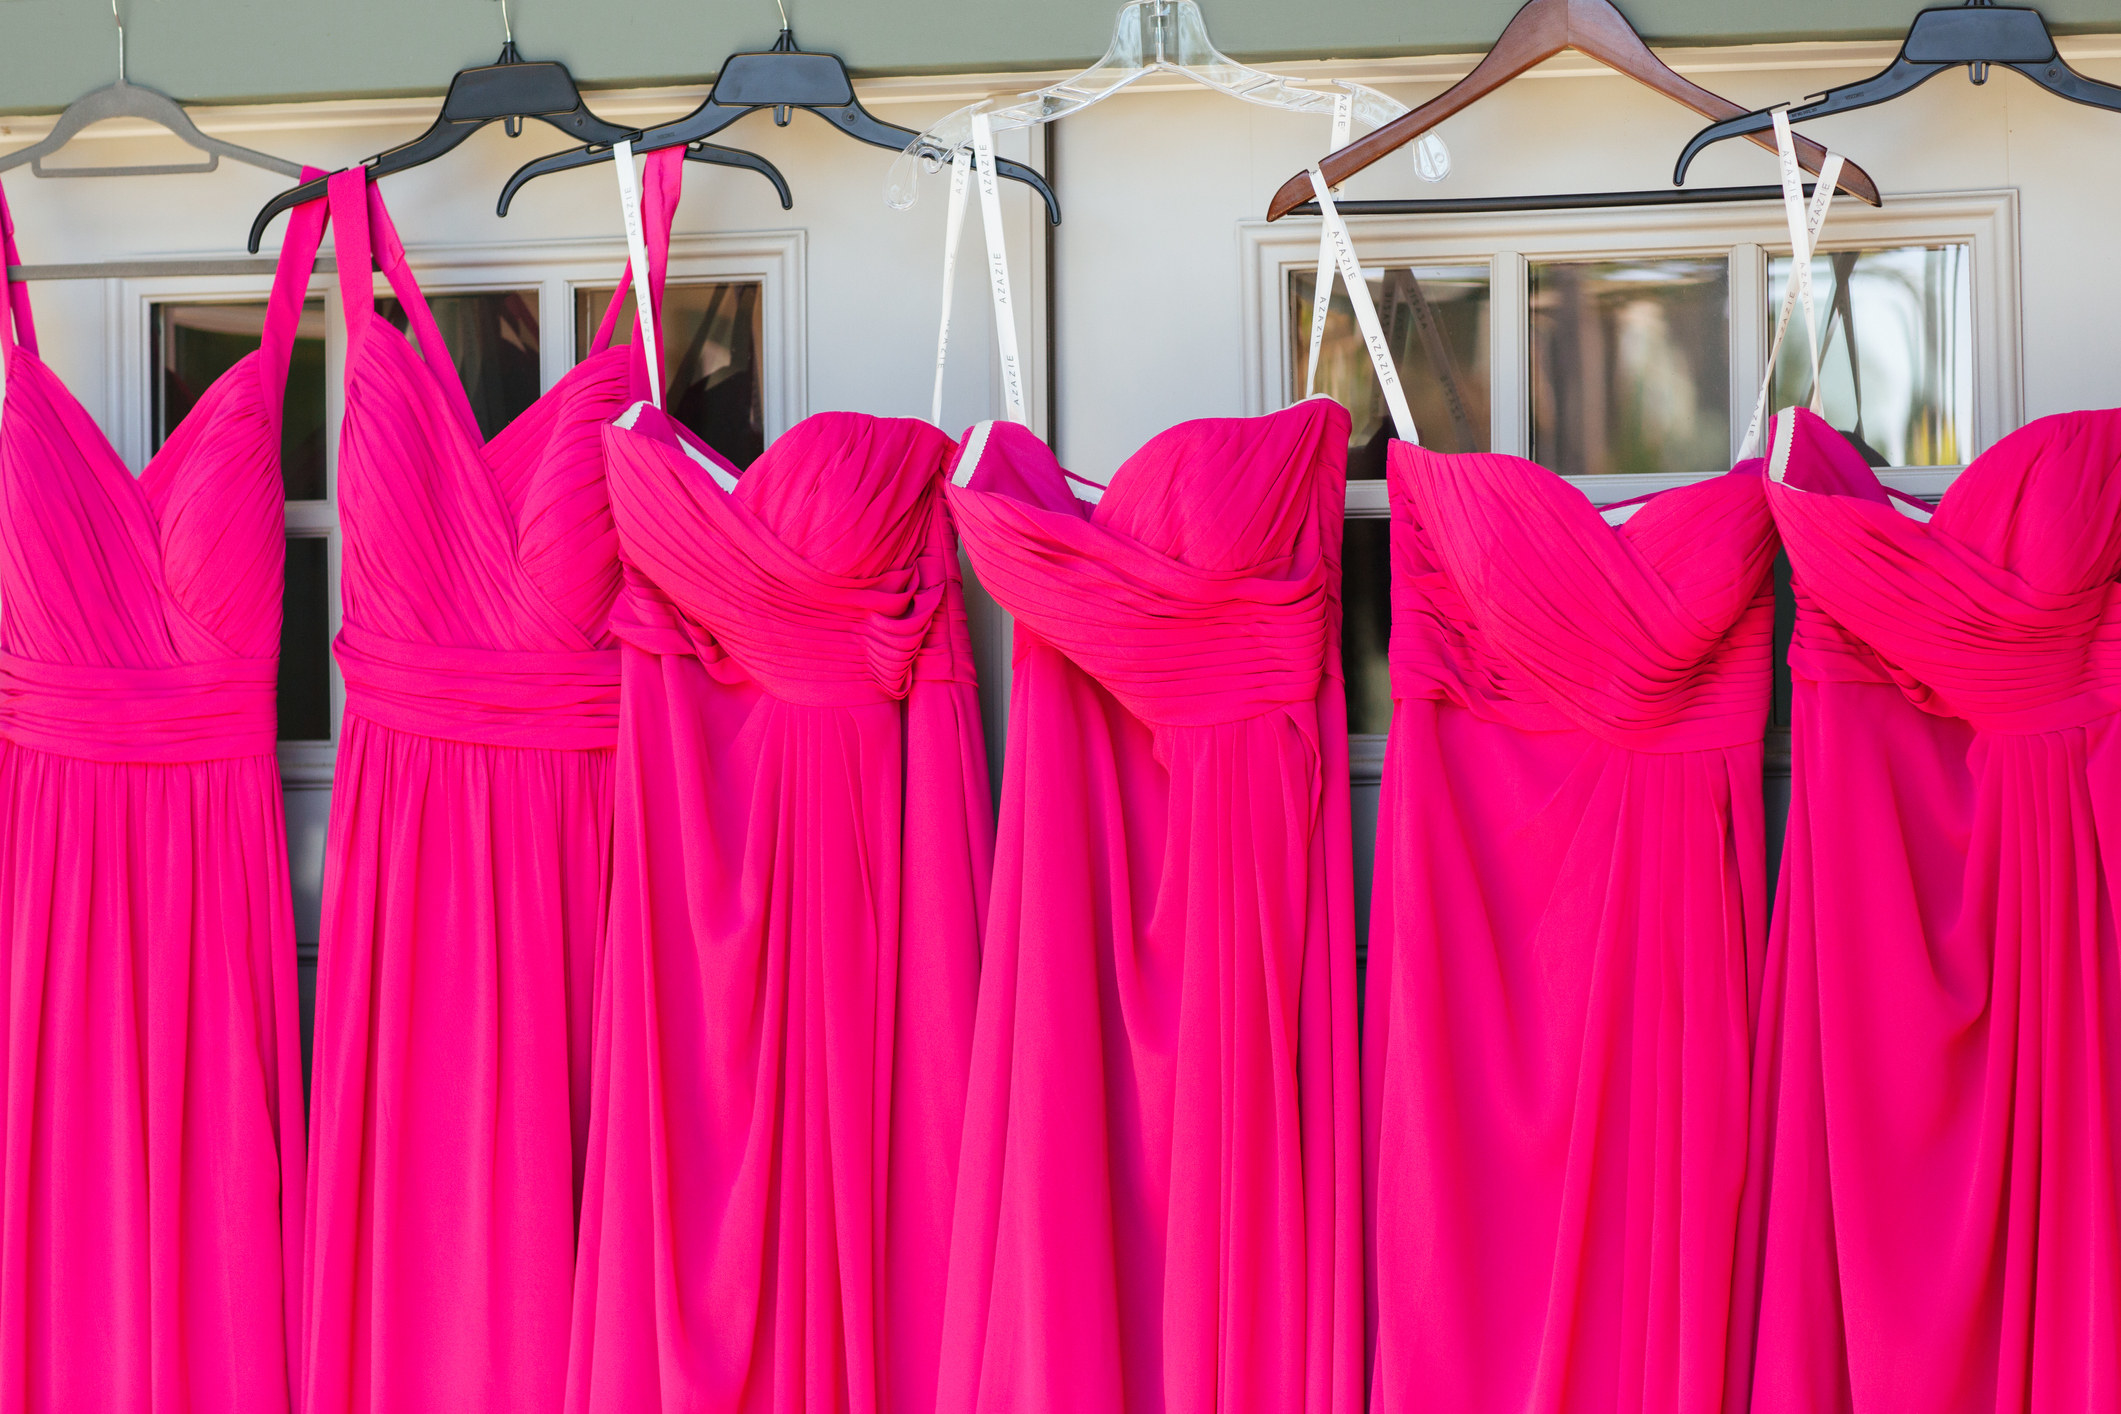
777,4
508,33
119,20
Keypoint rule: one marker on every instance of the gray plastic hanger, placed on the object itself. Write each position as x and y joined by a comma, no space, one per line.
130,100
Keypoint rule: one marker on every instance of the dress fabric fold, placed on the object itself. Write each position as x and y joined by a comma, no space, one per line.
1570,893
1158,1203
151,1158
468,857
1933,1211
804,841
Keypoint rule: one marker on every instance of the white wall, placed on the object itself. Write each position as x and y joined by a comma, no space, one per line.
1154,185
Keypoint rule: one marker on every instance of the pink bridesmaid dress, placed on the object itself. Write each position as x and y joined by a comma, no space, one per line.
468,860
1934,1206
784,1014
151,1159
1158,1200
1571,886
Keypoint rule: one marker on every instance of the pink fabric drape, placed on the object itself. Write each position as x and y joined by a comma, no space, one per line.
1158,1204
1571,881
151,1159
804,842
1933,1214
468,859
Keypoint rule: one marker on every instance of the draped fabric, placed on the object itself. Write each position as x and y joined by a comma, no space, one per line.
151,1160
1570,883
1933,1216
1158,1201
804,840
468,858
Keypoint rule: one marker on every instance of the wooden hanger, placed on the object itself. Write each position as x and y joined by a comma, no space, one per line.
1538,32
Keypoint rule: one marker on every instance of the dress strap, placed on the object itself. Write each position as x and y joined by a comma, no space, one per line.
1373,334
1805,225
290,286
15,322
648,215
365,240
1322,290
990,211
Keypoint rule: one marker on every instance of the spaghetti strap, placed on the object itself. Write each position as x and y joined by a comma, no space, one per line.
15,321
365,240
290,287
659,203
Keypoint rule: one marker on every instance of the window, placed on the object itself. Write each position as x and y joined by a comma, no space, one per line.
1896,350
1436,320
710,358
194,344
493,340
1630,364
1624,350
1625,370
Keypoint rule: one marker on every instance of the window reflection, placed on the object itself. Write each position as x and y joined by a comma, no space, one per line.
493,339
1896,341
1436,321
1631,365
196,343
710,354
193,345
1366,623
305,641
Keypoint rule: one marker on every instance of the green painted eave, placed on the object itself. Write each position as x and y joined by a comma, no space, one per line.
238,51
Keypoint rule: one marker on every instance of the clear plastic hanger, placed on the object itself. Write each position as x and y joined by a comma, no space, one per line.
129,100
1153,37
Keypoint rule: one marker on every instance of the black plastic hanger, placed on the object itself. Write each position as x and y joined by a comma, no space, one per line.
508,90
781,78
1976,34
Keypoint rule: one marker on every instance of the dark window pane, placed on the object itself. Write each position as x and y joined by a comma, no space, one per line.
493,339
1436,320
710,357
1896,335
1631,365
305,642
308,823
197,343
1366,623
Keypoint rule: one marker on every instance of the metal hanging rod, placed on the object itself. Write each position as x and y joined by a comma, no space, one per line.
151,269
1556,201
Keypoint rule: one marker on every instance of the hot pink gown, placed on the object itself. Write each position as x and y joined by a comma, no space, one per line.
804,841
468,861
1158,1203
1934,1207
1571,886
151,1157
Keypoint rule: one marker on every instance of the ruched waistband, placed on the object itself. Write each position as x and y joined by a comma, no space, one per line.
2017,688
566,701
161,716
807,658
1714,704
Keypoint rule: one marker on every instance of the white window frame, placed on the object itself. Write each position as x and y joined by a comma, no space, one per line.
556,270
1748,233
